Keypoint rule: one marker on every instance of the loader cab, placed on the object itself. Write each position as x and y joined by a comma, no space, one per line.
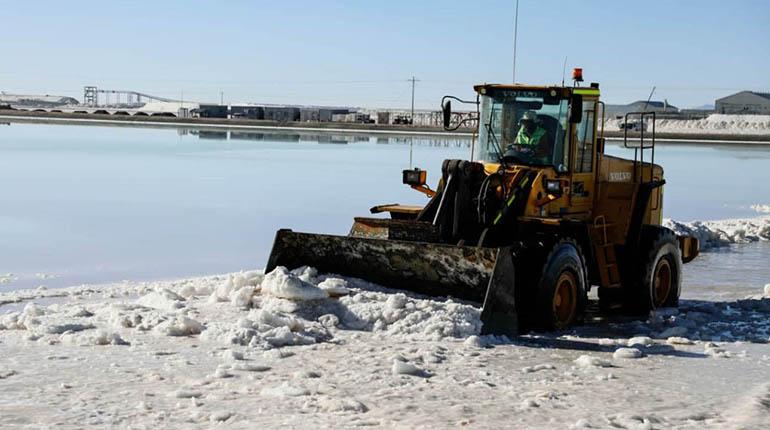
567,150
506,114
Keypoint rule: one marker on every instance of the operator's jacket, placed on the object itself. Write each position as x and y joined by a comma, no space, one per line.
535,140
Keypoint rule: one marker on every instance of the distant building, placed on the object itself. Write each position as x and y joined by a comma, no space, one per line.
744,102
357,117
212,111
320,114
281,114
182,112
383,117
157,108
247,111
661,107
310,115
28,100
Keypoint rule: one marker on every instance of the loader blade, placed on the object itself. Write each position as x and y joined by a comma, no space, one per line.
499,311
469,273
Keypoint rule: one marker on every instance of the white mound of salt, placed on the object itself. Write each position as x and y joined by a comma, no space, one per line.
627,353
588,361
283,284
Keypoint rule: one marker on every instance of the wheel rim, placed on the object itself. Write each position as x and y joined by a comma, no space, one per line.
564,300
661,287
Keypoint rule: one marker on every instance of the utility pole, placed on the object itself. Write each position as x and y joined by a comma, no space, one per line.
515,33
413,80
221,97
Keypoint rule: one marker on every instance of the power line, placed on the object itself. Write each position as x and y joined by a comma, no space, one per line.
413,80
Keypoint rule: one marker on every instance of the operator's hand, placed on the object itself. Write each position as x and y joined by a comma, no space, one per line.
522,149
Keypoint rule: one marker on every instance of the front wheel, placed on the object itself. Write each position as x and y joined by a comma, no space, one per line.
561,291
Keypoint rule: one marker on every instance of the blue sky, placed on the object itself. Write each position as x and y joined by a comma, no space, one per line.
362,52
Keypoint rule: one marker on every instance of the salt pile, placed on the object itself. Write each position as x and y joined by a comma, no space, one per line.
713,234
403,368
589,361
283,284
627,353
282,308
713,124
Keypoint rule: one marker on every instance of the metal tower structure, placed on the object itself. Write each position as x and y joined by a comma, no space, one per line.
90,96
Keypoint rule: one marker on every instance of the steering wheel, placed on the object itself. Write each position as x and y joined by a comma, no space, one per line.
517,153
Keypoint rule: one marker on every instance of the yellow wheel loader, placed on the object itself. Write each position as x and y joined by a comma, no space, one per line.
536,217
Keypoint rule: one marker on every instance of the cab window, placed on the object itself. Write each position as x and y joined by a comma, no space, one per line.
524,127
584,158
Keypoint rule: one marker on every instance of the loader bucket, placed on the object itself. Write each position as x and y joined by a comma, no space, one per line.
483,275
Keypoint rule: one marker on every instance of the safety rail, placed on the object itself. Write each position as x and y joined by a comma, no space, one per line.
639,150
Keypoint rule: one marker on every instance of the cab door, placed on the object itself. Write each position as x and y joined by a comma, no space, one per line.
583,136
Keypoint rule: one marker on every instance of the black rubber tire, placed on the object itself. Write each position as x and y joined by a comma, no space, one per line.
565,258
658,248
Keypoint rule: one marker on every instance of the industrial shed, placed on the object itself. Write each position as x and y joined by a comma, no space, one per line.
247,111
319,114
211,111
281,114
744,102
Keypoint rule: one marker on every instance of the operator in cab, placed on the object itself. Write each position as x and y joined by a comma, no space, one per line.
531,133
532,138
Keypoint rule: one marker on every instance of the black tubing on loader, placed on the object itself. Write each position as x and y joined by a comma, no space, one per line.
659,273
560,298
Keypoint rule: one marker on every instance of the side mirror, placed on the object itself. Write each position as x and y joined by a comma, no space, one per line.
576,109
446,110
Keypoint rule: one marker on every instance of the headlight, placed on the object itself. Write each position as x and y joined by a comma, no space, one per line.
415,177
553,186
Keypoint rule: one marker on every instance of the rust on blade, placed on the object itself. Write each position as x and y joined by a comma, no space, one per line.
383,228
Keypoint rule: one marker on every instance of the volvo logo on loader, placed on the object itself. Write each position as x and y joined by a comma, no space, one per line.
498,231
620,176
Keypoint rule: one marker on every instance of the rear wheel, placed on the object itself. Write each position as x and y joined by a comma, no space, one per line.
561,291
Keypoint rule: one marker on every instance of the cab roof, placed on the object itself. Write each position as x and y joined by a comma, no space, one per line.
564,91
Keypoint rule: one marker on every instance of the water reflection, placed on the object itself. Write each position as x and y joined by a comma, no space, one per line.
324,137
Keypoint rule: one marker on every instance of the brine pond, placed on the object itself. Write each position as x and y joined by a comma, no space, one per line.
99,204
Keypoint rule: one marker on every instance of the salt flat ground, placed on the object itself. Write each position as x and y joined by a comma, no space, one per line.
303,350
